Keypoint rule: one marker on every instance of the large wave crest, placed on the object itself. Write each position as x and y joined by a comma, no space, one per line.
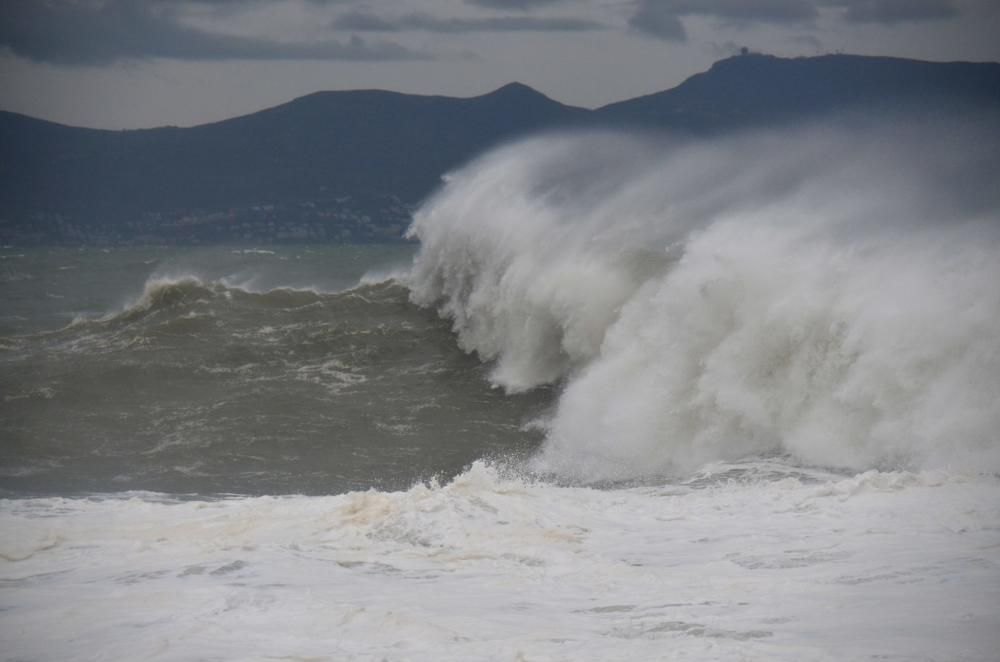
828,292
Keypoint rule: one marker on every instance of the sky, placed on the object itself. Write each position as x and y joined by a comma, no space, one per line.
119,64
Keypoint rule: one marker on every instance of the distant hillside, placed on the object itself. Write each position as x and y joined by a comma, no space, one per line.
325,145
340,163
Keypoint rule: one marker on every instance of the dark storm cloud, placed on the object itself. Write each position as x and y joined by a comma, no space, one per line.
894,11
520,5
67,32
366,22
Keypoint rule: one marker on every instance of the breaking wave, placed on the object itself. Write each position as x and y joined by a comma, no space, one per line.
829,293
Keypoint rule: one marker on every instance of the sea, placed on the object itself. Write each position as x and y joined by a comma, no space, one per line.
620,397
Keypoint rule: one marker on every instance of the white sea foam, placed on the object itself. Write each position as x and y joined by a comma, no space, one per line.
892,565
836,300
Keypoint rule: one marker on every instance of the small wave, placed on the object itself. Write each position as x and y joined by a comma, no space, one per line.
159,293
280,298
181,292
378,277
166,292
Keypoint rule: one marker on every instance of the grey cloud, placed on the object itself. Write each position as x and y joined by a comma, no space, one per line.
888,12
68,32
520,5
812,41
319,3
365,22
657,20
662,18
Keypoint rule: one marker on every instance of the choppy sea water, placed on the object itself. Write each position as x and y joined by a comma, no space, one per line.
625,400
232,370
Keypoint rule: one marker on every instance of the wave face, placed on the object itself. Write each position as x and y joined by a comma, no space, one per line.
829,293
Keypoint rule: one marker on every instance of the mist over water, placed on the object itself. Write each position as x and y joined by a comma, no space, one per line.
828,293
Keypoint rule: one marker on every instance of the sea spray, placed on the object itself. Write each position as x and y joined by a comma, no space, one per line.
515,251
835,300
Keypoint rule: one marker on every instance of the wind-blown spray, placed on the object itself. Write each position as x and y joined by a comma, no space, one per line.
829,292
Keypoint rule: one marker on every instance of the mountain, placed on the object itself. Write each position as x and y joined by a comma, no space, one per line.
325,145
337,164
751,90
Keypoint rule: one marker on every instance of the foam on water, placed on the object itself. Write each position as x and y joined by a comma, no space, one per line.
728,566
835,300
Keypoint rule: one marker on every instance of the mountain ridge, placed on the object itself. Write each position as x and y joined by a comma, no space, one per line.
380,150
506,90
755,88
